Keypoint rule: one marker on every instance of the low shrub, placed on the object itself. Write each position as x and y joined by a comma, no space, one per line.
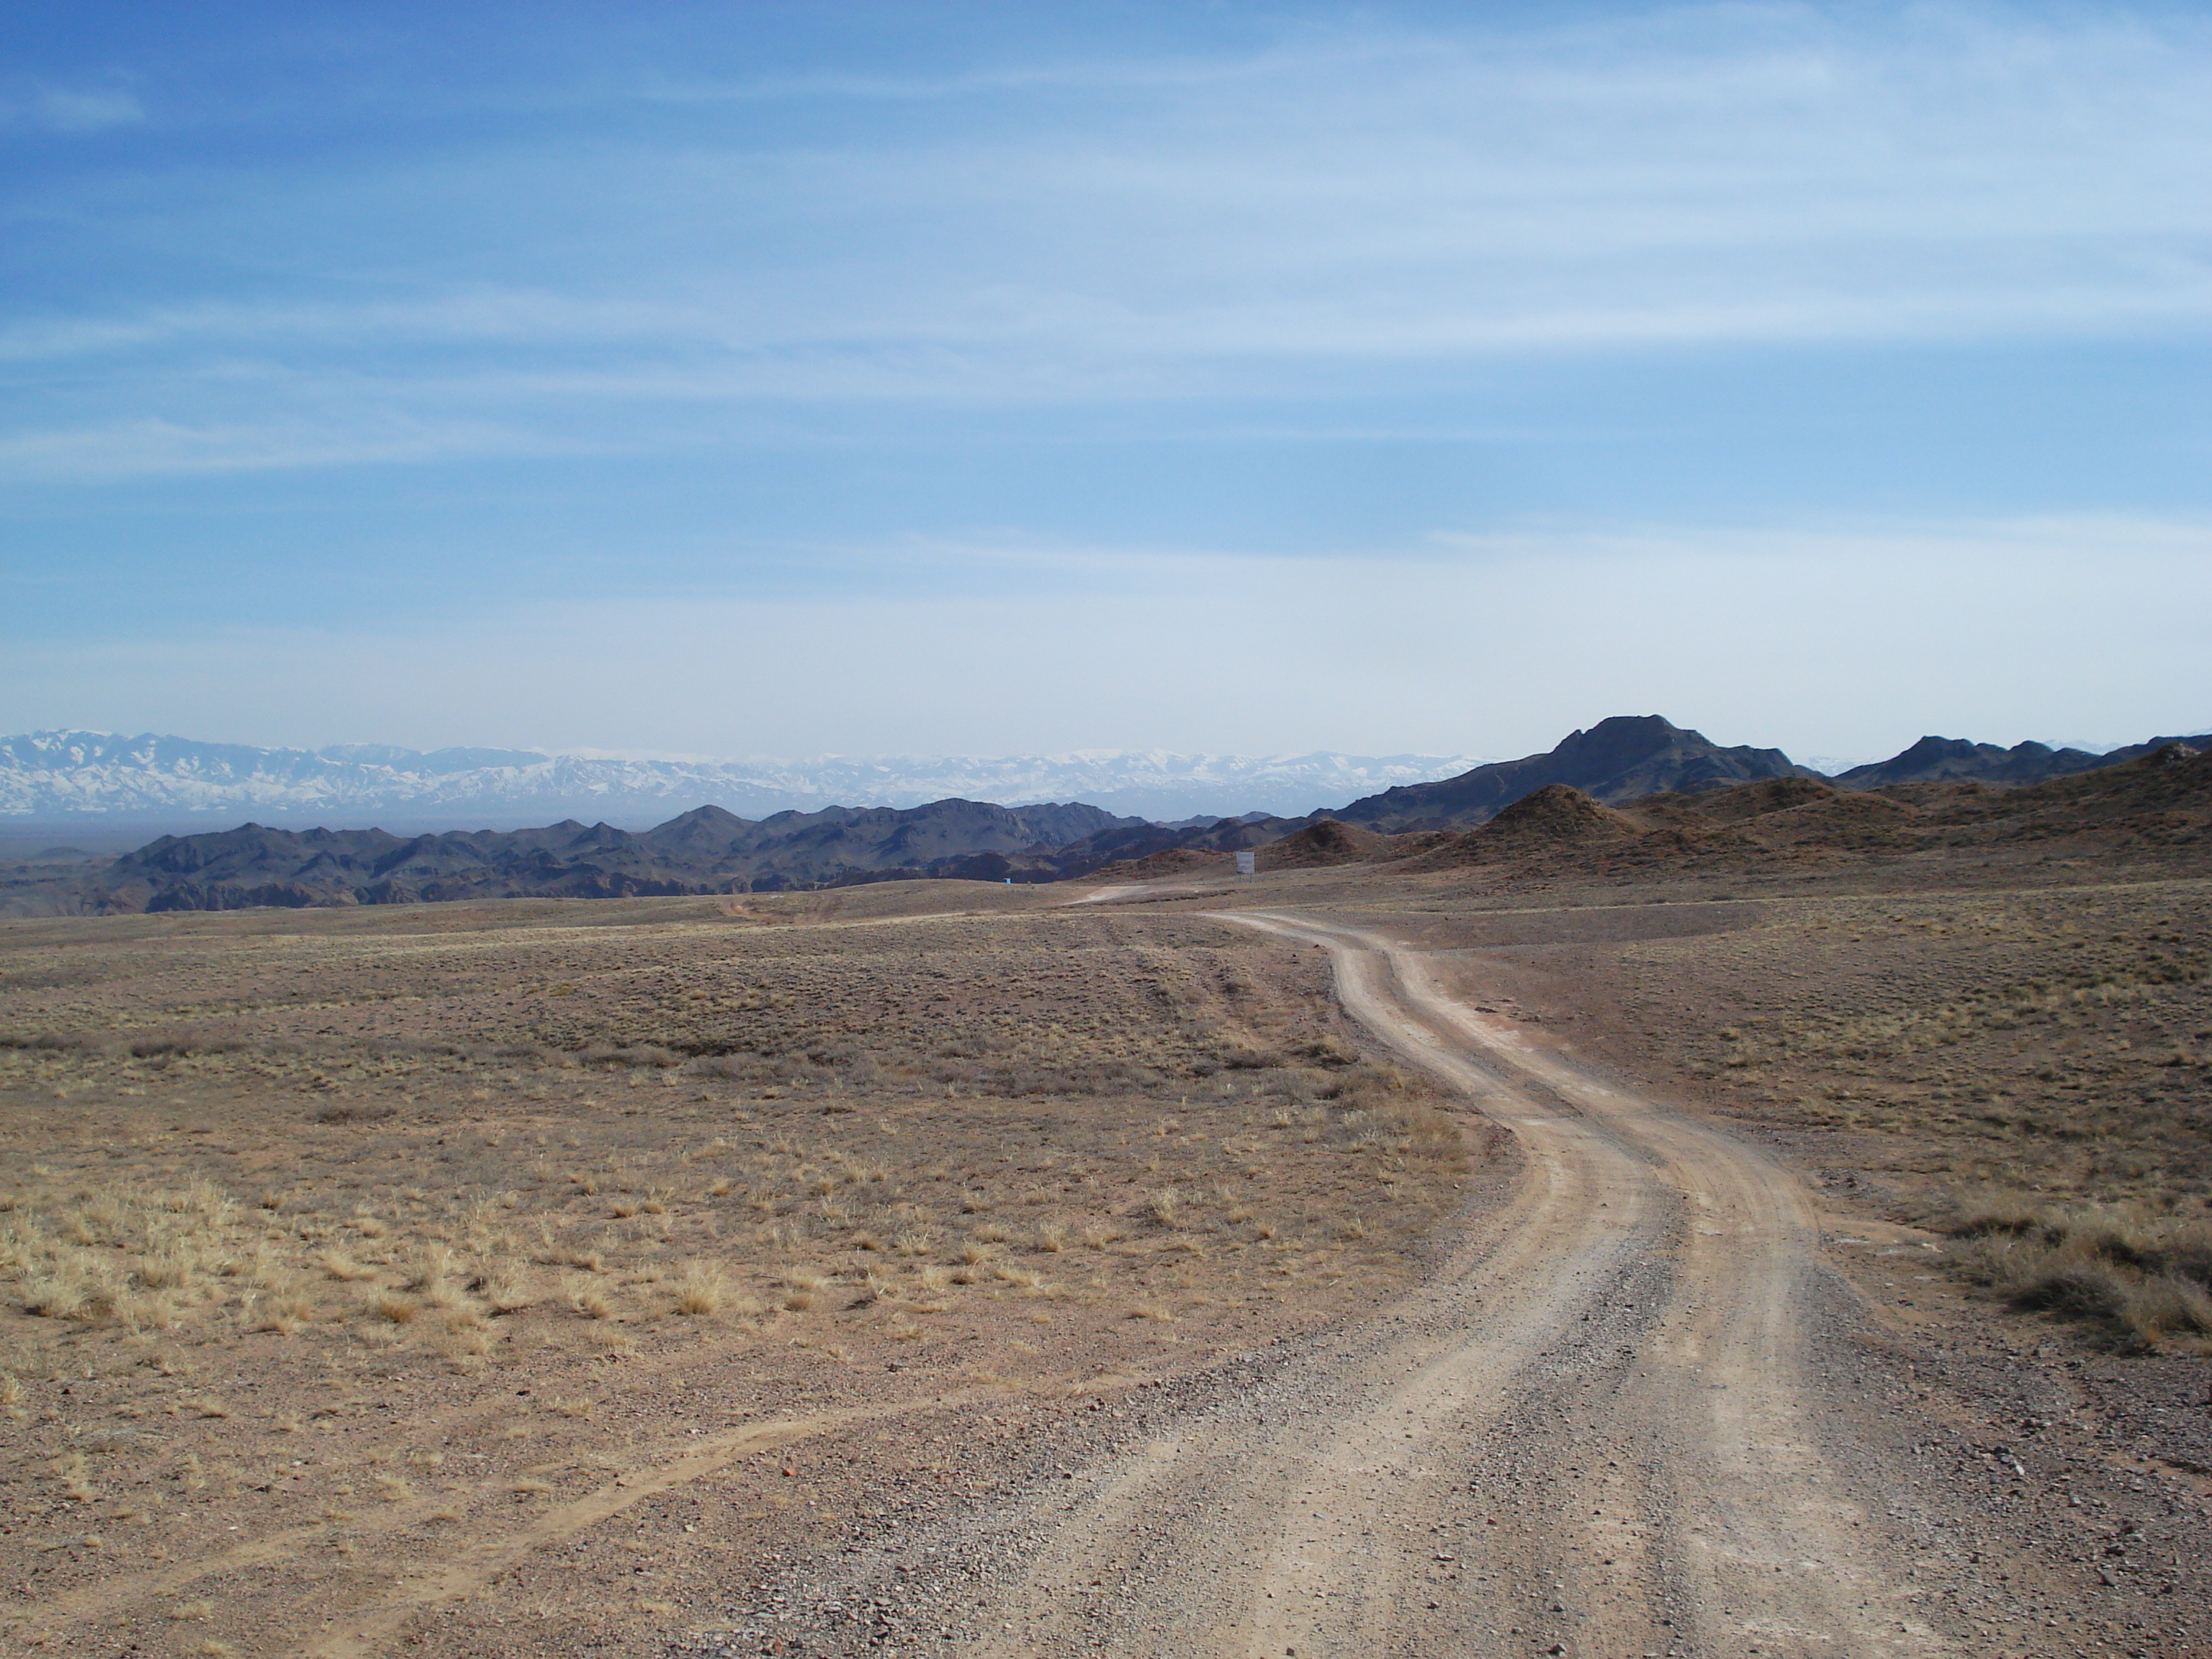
2141,1276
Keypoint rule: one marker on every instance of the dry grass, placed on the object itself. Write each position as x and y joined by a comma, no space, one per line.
2144,1277
447,1262
260,1172
2049,1041
702,1289
2031,1025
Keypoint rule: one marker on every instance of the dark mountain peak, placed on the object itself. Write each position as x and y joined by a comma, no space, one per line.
1930,749
1939,760
1623,738
792,817
2201,742
1619,758
701,829
720,817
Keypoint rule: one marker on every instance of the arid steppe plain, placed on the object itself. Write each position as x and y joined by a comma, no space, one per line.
1738,1253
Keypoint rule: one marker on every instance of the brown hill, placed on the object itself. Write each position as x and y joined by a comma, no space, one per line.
1169,861
1414,843
2163,798
1705,809
2158,805
1327,842
1947,760
1557,812
1557,817
1860,822
1786,809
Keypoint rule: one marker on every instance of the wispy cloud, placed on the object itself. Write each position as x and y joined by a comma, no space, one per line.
139,448
71,109
1348,203
501,315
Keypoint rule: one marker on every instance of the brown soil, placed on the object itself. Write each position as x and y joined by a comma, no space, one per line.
1835,1193
1174,861
494,1279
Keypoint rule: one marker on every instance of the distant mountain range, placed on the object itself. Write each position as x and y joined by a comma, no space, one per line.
57,777
1938,760
709,849
1627,758
706,850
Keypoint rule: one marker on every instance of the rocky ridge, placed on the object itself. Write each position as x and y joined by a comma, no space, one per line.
706,850
1668,778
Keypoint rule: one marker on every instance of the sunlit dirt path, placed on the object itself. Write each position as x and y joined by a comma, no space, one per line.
1603,1427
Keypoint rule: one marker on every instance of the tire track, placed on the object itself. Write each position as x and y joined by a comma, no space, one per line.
1592,1431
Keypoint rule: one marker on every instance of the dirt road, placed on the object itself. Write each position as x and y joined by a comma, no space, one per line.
1631,1410
1601,1427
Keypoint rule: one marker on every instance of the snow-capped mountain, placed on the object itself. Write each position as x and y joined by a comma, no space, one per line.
57,776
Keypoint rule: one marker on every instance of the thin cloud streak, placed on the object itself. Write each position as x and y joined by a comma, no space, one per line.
147,448
72,111
527,409
2134,294
1343,205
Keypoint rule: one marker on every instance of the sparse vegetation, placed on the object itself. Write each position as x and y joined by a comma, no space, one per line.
899,1147
2010,1044
327,1241
2144,1277
701,1290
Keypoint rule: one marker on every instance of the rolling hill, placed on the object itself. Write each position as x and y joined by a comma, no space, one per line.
706,850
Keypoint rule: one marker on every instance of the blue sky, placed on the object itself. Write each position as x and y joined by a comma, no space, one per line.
754,379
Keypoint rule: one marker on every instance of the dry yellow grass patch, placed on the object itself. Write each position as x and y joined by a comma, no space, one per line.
702,1289
852,1148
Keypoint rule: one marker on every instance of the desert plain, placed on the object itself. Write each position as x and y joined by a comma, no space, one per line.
1566,1252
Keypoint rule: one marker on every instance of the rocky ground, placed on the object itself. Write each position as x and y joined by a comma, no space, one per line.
2034,1489
1404,1367
368,1274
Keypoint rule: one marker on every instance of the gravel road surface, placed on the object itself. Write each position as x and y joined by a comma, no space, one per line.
1631,1412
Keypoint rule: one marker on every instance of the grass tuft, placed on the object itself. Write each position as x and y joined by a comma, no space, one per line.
702,1289
2144,1279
